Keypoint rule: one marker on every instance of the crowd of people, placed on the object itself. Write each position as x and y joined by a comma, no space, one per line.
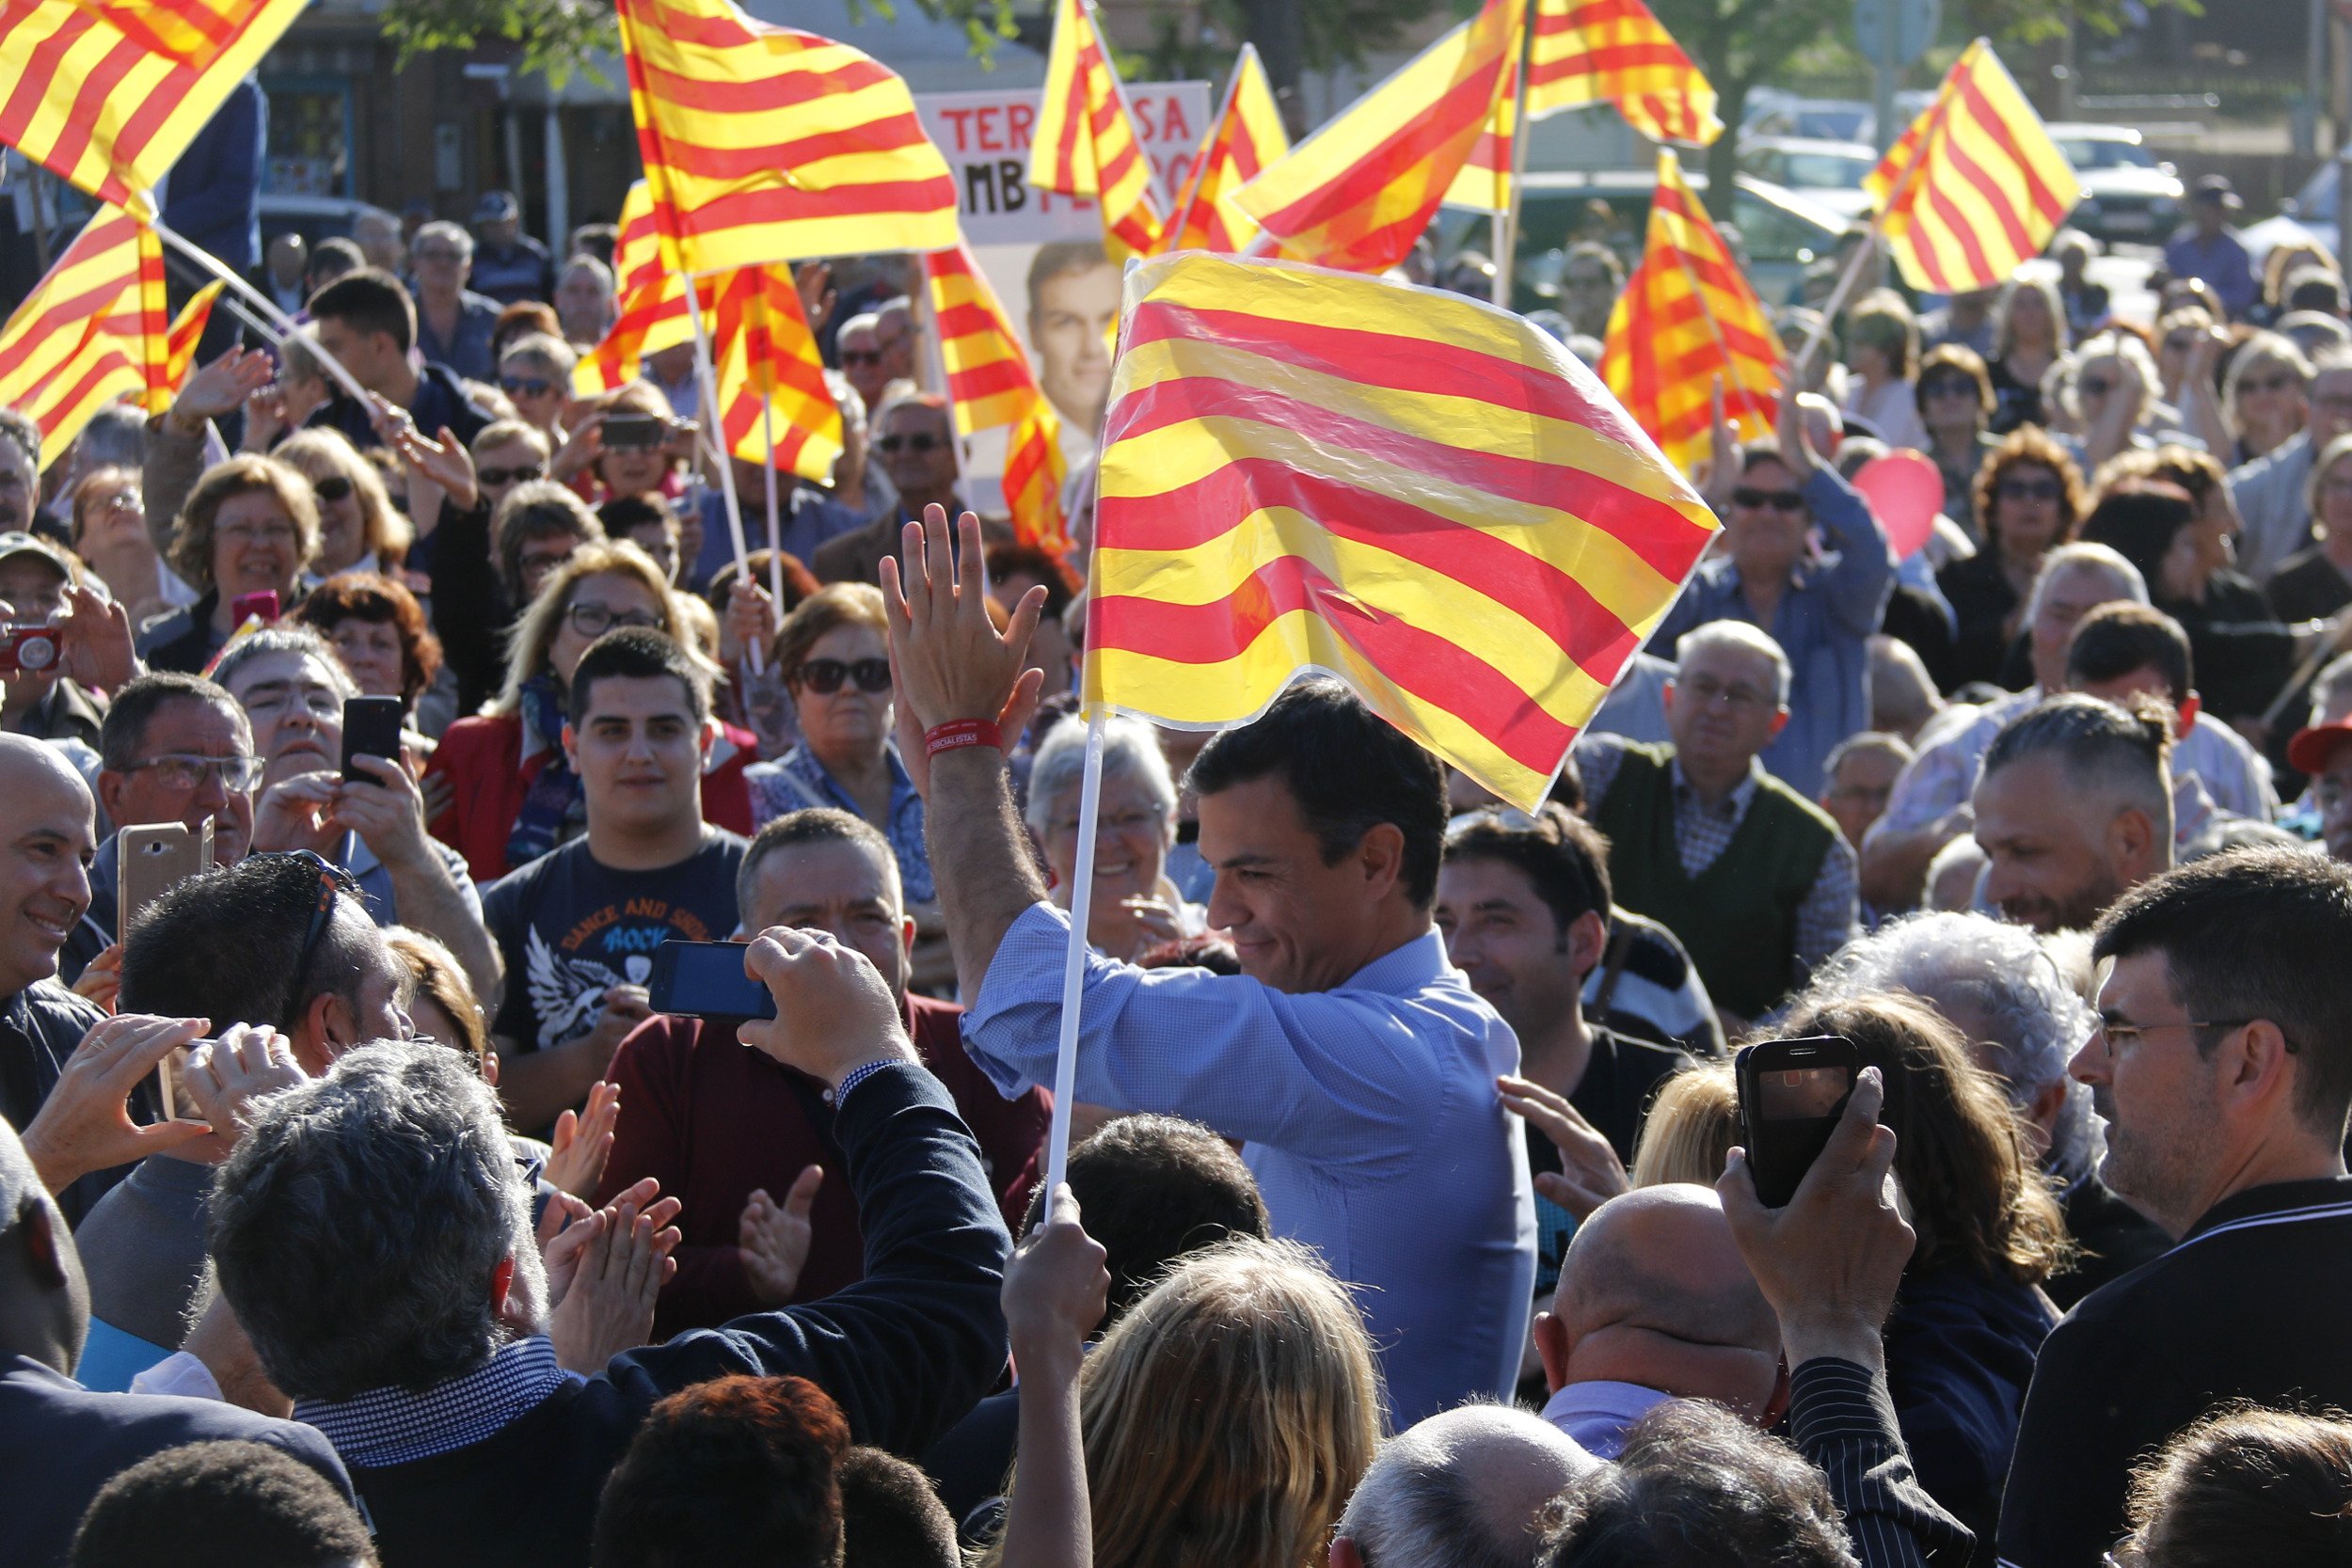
356,1206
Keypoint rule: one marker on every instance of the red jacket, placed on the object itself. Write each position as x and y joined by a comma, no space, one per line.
714,1120
482,758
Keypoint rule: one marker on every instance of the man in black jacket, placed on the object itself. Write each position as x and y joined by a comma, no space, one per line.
2223,1066
375,1238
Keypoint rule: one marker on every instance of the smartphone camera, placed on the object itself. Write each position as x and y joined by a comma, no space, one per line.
634,431
30,650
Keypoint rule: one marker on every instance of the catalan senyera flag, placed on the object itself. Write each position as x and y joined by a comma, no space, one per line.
1359,192
1976,187
989,383
1593,52
651,309
1687,316
1413,491
187,331
768,144
1246,139
91,332
106,94
1085,142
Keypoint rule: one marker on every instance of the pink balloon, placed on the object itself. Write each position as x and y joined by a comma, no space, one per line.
1906,490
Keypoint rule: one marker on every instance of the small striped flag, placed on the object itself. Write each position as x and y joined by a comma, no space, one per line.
187,331
1413,491
1085,143
1976,187
106,94
91,332
1357,192
990,384
1688,315
1246,139
651,313
1593,52
768,144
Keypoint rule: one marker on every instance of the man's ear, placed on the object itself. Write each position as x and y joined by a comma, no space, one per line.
1780,722
502,1285
33,1222
2132,837
1553,1345
906,933
1778,1406
1381,853
326,1030
571,746
1587,941
710,737
110,793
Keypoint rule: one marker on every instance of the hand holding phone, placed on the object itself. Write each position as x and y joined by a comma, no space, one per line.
707,980
1792,1093
371,729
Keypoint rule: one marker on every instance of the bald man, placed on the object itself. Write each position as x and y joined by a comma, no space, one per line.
1462,1487
59,1442
1654,1304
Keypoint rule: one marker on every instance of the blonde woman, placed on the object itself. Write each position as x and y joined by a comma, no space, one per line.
1883,350
1690,1127
250,526
358,529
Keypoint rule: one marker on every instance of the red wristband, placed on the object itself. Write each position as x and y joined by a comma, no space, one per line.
958,734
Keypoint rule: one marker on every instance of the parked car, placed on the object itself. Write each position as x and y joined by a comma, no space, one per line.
2129,194
1828,172
1815,119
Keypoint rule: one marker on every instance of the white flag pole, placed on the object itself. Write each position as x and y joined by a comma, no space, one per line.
709,379
1073,966
221,270
775,527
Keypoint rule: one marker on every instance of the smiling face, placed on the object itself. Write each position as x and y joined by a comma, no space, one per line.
114,524
187,727
343,519
840,888
256,546
20,487
2158,1095
295,706
2270,403
1765,531
1132,833
1297,925
1506,941
46,841
1069,327
2028,509
534,388
637,750
2055,856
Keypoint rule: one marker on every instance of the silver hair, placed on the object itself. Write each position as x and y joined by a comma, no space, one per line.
442,228
1130,749
1741,635
115,435
2111,344
2034,1019
285,639
1420,1503
2079,556
356,1228
2331,692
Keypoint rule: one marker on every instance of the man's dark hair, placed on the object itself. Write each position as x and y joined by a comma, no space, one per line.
637,653
1154,1188
2117,638
624,513
226,943
1060,259
17,429
2247,1485
2138,519
1348,768
369,300
2314,288
890,1515
1697,1488
331,258
736,1470
221,1505
809,825
1566,857
122,738
2255,934
2123,747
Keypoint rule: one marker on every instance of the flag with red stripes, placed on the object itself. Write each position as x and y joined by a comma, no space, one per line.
1248,138
1085,143
92,332
989,383
187,331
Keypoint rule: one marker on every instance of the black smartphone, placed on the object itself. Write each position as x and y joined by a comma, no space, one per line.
634,430
705,979
1792,1093
371,729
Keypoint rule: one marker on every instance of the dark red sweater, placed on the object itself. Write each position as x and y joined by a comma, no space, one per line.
713,1120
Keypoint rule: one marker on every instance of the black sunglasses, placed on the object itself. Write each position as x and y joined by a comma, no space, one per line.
525,387
920,441
2030,490
1949,386
333,880
334,488
2096,386
1784,500
495,477
825,676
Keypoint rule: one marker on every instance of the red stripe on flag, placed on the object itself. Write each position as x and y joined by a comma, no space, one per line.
40,65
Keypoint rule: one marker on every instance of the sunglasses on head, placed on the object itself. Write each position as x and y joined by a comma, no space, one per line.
525,386
920,441
495,477
1781,501
825,676
334,488
333,882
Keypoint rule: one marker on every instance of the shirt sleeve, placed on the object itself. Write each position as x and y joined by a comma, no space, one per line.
1931,785
1344,1077
1858,586
1842,1418
1831,914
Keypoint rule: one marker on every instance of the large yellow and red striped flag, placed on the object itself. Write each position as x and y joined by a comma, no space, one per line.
1593,52
768,144
1976,187
1085,143
91,332
990,384
1357,192
106,94
1414,491
1246,139
650,313
1687,316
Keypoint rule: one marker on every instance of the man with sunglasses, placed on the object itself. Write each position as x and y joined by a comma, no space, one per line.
1820,609
862,358
2223,1067
918,448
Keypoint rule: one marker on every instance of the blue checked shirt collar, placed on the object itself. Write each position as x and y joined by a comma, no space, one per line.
398,1426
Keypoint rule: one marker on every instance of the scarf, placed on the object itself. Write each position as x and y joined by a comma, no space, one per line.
555,792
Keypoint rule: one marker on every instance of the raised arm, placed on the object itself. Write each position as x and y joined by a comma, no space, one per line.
1054,1295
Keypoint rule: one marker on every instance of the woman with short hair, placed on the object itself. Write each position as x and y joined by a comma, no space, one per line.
250,526
1135,906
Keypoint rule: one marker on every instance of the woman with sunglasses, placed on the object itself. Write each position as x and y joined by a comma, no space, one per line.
2314,584
358,529
2266,398
2026,498
250,526
1955,403
501,789
535,374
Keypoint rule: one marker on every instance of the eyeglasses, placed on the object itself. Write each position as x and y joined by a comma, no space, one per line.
186,770
2278,382
922,440
860,357
1707,691
1781,501
496,477
333,880
2029,490
252,533
593,620
2121,1033
525,386
825,676
334,488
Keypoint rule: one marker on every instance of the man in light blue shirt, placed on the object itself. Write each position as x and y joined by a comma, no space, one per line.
1350,1055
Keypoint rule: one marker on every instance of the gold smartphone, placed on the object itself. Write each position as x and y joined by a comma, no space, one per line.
152,860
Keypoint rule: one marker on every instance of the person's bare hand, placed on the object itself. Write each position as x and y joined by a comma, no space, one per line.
625,1007
85,1124
1719,473
298,814
609,1306
445,461
1830,1262
949,659
1156,920
582,1143
814,279
1056,1288
1590,1173
750,622
101,980
835,1012
580,448
227,1079
219,389
774,1238
1796,447
97,645
907,730
388,814
566,1225
265,418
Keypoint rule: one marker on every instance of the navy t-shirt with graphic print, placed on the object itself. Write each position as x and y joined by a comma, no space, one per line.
568,927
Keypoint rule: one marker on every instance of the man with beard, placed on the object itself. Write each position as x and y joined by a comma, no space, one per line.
2075,805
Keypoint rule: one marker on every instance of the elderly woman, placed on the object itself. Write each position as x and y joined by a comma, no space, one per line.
1135,906
2030,334
2265,397
2315,583
250,526
1883,349
2109,398
109,531
512,793
535,374
378,631
359,530
1956,404
2029,496
584,301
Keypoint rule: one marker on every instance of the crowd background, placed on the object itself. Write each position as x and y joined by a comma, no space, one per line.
1407,1223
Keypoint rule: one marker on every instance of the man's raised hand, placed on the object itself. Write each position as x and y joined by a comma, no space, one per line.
950,660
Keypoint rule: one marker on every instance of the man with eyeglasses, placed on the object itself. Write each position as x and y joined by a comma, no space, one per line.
453,323
2223,1067
1819,610
2273,492
918,448
1754,877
